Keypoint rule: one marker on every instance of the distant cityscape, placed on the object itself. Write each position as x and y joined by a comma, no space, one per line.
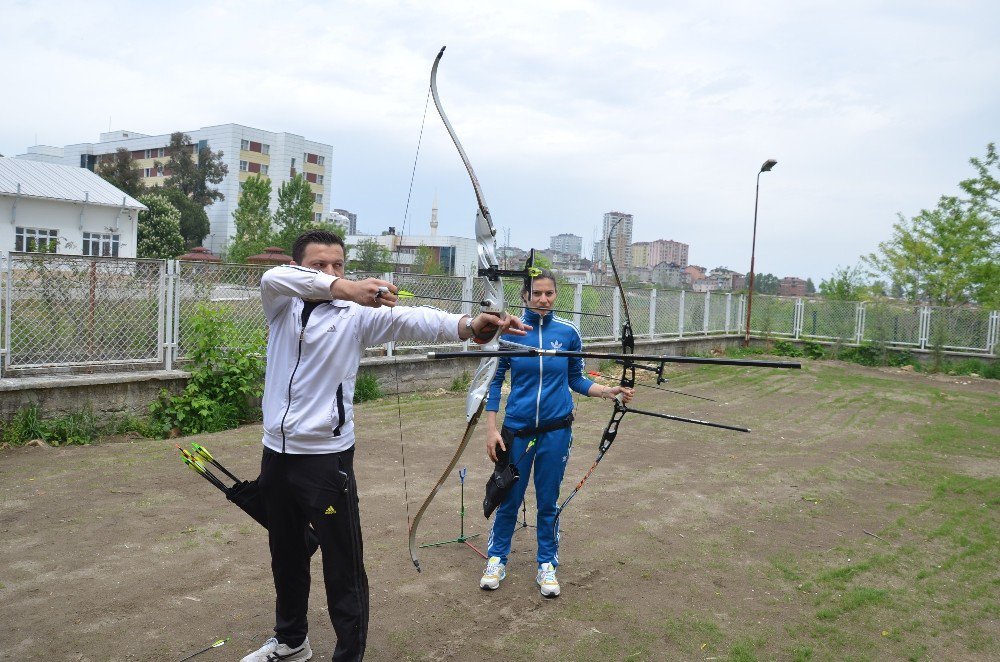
280,156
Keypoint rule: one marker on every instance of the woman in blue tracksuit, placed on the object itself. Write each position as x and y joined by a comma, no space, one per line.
537,418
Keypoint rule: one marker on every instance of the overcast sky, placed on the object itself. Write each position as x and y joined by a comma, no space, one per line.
567,109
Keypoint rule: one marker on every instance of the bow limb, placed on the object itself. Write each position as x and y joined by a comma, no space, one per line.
492,302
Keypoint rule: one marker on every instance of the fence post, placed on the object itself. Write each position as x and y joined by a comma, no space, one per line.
652,312
171,301
8,287
925,326
729,303
680,316
992,331
708,304
797,318
577,304
467,290
616,312
390,347
859,323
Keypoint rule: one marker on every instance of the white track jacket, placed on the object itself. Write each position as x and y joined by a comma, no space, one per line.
309,384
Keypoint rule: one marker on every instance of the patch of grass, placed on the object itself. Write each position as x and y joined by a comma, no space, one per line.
76,428
692,633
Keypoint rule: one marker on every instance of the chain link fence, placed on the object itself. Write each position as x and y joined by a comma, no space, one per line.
96,314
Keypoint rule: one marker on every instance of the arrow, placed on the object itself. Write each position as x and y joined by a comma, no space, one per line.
216,644
404,294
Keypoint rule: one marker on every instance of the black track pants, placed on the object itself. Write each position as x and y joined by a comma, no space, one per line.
316,489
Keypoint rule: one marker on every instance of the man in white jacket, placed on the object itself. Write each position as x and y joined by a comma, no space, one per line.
318,325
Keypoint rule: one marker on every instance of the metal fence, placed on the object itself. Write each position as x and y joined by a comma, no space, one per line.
63,311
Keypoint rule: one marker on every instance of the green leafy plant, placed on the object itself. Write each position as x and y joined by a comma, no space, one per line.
461,383
227,372
786,348
76,428
23,427
813,350
367,388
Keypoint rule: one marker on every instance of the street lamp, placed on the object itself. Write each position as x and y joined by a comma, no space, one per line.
766,167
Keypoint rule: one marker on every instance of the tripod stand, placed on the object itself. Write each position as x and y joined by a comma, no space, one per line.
461,531
523,523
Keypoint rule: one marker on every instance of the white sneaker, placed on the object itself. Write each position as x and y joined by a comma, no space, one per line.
546,580
493,574
272,651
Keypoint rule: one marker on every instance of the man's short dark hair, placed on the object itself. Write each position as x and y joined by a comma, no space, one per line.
324,237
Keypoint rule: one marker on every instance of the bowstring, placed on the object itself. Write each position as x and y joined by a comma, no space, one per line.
395,362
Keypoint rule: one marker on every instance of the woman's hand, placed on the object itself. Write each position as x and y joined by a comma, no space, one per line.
493,439
625,392
609,392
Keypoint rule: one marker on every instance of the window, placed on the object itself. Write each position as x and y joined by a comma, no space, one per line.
263,168
318,217
159,170
265,149
148,172
156,153
320,160
35,240
293,162
318,198
245,145
98,244
319,179
244,166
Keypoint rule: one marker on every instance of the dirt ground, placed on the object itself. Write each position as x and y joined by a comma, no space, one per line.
116,551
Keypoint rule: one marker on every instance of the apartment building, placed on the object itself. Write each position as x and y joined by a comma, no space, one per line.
246,151
566,243
790,286
668,250
621,240
640,254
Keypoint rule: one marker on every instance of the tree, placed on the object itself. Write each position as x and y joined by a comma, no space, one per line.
253,220
810,286
193,177
946,255
985,189
949,255
159,232
845,284
371,257
765,283
120,170
194,220
426,262
295,211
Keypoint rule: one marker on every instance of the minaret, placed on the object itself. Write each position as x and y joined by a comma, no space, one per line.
434,217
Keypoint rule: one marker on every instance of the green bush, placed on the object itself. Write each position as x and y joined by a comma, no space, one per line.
227,371
786,348
367,388
813,350
869,355
461,383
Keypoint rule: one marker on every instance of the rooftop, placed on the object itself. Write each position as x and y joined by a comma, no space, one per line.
58,182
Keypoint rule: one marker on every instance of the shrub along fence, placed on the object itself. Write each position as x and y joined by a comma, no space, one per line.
108,314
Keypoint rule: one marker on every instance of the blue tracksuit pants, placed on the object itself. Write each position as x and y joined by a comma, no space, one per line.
548,456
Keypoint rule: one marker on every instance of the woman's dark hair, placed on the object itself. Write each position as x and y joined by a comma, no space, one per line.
324,237
545,273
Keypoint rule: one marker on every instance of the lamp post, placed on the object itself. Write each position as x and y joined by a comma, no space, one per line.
766,167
